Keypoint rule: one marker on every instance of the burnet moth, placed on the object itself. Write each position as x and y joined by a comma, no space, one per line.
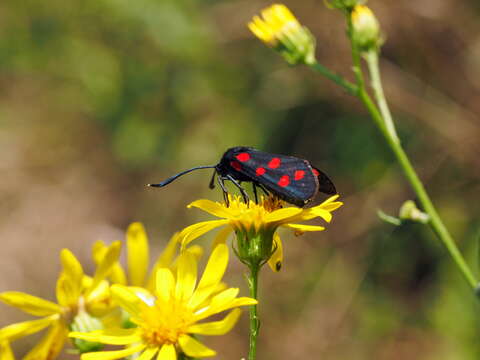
289,178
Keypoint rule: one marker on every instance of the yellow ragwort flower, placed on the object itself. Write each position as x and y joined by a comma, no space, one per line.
258,220
76,293
166,318
278,28
6,352
138,258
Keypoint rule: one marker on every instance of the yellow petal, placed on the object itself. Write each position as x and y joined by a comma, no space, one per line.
222,236
214,271
165,259
138,254
117,275
63,290
212,207
110,336
276,260
193,348
186,276
105,267
165,284
126,298
304,228
282,214
112,355
25,328
148,354
167,352
73,273
29,303
194,231
51,344
211,310
6,352
217,327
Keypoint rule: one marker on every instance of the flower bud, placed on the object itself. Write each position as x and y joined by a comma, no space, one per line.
278,28
409,211
365,28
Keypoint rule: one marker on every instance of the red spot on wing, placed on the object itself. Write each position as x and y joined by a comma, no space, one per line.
274,163
243,157
260,171
284,181
299,174
315,171
236,165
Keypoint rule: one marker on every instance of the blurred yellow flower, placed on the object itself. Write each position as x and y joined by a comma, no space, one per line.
258,220
138,258
6,352
76,293
166,318
278,28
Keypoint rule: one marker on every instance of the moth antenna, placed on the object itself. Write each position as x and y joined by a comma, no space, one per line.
174,177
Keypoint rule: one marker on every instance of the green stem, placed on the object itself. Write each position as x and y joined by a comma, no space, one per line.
376,82
337,79
384,121
254,320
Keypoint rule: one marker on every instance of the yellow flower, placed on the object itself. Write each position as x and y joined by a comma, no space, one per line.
138,258
76,293
278,28
166,318
6,352
258,224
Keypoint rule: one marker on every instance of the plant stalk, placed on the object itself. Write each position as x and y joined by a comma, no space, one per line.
384,121
254,320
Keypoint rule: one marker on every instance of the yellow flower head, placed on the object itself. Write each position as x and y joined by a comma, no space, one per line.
138,258
278,28
166,318
76,293
258,221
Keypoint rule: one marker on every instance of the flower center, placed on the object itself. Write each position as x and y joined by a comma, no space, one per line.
163,323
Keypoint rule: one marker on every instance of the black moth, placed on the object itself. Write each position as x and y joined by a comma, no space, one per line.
289,178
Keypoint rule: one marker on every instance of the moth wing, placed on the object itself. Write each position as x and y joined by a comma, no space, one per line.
326,185
290,178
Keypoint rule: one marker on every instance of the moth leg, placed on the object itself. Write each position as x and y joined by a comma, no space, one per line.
263,189
255,192
212,180
246,199
224,190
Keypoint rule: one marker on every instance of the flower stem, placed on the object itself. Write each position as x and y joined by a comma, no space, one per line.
384,121
252,280
337,79
389,133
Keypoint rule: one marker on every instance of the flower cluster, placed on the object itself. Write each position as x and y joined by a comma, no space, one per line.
145,313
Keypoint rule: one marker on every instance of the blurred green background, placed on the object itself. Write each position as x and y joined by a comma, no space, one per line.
100,97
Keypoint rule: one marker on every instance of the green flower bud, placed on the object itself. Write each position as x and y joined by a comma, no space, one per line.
409,211
365,28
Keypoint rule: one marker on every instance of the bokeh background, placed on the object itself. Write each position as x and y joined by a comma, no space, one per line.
100,97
